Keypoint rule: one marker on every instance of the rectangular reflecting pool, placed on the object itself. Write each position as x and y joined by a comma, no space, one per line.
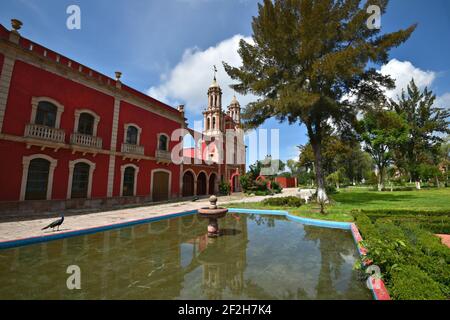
257,257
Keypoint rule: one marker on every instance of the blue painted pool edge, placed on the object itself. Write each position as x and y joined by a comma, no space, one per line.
70,234
307,221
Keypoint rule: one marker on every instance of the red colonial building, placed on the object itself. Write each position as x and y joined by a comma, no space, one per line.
71,137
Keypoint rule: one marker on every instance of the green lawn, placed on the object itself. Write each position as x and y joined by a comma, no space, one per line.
350,200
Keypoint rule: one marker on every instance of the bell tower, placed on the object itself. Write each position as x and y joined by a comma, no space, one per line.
234,111
213,119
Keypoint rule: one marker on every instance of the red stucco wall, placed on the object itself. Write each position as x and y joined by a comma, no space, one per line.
11,170
28,81
150,123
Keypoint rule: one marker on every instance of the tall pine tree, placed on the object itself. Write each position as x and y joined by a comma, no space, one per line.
306,57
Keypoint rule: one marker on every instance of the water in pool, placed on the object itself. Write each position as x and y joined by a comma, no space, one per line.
257,257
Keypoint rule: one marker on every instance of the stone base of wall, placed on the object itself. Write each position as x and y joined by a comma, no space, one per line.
20,210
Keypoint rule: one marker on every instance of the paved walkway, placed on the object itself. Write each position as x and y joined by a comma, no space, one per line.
32,228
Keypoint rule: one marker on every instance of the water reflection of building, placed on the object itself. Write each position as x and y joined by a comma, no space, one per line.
140,262
224,259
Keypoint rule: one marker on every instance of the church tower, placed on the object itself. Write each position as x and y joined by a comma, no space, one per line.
213,119
234,111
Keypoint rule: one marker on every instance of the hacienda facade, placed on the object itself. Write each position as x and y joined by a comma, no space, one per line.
71,137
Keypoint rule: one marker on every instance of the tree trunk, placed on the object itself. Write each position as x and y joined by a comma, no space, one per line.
418,187
321,192
380,178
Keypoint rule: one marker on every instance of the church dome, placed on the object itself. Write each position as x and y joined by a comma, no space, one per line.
214,84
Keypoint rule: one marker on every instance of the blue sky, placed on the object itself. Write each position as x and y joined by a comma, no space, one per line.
167,48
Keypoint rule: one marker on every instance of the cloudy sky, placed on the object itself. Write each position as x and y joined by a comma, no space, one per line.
167,48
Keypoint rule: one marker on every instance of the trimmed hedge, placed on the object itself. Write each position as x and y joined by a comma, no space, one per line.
392,245
291,201
433,221
411,283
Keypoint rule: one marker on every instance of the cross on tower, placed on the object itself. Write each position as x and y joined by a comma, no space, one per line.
215,71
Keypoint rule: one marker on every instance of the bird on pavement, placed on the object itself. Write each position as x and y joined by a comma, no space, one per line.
56,223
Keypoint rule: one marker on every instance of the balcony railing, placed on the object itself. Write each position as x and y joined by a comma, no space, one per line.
41,132
133,149
86,140
163,155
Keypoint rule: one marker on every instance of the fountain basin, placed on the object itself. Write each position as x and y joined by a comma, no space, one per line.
213,212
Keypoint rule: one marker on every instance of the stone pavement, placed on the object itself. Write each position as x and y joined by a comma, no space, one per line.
445,239
32,228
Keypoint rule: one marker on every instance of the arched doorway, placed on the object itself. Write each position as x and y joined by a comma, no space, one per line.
212,184
188,184
201,184
160,186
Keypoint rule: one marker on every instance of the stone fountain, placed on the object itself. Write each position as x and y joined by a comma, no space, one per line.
213,213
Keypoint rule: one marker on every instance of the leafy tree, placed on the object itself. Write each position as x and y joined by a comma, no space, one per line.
336,177
426,122
356,163
307,56
293,167
445,159
383,132
340,153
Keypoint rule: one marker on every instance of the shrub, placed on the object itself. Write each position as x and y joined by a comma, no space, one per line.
224,188
246,181
411,283
283,202
276,187
262,193
433,221
330,189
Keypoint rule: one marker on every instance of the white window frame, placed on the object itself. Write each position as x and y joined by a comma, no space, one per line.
34,106
78,113
168,141
26,165
122,176
91,175
138,143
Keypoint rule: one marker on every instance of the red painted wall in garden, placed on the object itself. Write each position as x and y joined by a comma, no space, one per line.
285,182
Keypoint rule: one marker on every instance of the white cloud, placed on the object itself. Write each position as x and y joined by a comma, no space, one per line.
443,101
187,83
402,72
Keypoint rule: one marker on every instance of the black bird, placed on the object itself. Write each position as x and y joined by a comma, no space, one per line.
195,199
55,224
